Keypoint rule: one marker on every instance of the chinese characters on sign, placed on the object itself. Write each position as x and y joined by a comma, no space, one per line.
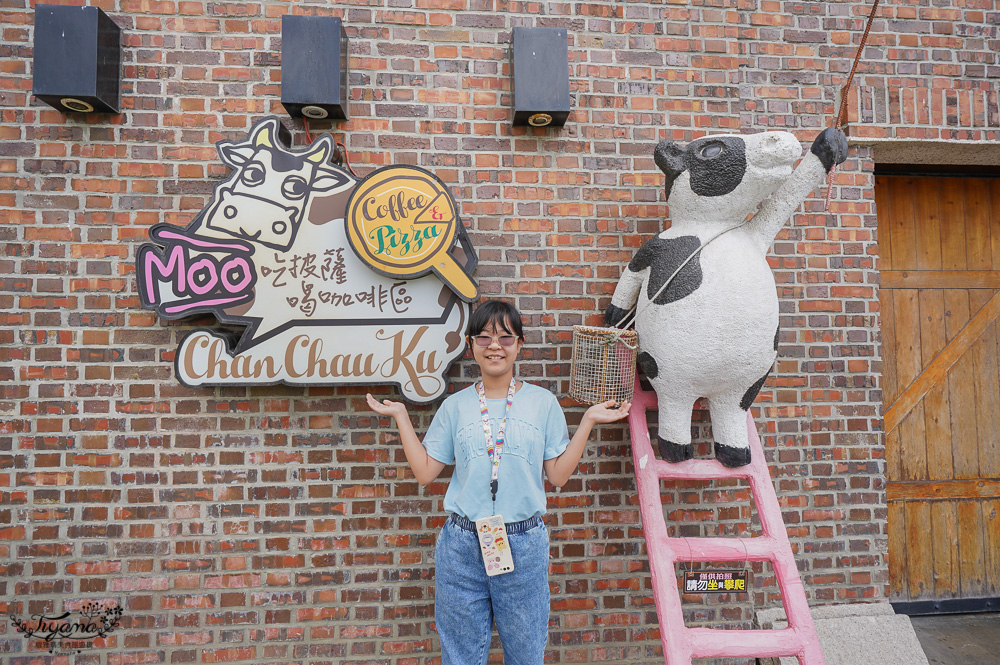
723,581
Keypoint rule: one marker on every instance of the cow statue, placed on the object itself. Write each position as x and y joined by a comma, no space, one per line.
270,252
713,330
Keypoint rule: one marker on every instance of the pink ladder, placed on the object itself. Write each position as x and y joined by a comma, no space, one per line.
680,643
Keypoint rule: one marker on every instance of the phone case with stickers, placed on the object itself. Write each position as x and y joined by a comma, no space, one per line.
494,545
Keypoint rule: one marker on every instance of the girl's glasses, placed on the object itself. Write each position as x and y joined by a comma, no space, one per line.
502,340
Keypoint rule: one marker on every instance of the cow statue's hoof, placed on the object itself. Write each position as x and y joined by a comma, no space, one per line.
730,456
674,452
831,147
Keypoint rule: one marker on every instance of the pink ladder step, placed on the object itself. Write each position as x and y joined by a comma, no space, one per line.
680,643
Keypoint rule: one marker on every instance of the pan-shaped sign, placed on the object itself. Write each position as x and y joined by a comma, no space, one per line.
401,221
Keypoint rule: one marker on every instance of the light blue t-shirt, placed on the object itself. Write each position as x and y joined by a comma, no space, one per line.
536,431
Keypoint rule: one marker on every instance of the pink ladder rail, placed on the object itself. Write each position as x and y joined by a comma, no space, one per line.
680,643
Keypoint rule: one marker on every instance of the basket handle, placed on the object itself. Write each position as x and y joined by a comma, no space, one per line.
618,338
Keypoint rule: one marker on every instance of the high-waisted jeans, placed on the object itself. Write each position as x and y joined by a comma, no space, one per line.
467,601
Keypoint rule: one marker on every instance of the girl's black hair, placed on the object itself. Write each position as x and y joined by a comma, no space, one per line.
502,315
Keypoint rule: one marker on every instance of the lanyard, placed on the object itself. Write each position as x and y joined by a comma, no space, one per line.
494,448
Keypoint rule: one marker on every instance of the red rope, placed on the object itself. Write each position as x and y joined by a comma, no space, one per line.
347,159
343,148
844,93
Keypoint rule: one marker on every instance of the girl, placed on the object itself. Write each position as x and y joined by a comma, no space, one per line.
502,435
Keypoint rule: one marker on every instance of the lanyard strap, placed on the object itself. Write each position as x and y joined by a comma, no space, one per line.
494,448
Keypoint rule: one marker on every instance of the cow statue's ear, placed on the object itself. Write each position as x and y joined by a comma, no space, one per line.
235,155
669,157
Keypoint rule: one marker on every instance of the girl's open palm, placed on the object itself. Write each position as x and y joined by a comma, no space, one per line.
395,410
606,413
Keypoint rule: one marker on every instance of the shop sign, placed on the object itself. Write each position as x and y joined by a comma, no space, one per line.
335,280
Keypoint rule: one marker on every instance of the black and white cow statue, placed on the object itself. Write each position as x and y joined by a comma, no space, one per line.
713,331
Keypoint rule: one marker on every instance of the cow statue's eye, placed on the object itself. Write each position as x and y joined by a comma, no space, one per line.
711,150
252,175
294,187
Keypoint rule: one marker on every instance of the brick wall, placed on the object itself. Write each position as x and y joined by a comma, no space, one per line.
280,525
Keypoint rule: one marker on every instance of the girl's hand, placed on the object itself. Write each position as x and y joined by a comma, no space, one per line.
606,413
395,410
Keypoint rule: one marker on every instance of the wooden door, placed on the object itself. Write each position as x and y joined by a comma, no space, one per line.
939,239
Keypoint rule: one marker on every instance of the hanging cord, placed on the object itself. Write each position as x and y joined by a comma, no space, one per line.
844,94
347,159
630,317
341,156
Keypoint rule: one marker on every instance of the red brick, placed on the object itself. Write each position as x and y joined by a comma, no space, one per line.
211,481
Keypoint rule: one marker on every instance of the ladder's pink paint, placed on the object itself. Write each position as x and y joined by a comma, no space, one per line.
681,644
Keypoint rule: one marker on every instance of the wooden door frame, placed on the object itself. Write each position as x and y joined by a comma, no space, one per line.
937,369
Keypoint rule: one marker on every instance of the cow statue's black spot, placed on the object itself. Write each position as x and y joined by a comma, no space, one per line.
751,394
716,164
663,256
647,364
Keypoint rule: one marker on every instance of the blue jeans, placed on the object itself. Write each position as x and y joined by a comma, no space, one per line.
467,601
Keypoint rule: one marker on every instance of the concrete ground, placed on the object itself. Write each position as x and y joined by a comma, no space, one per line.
959,639
855,634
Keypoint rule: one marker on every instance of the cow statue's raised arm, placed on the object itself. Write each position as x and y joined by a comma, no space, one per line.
713,331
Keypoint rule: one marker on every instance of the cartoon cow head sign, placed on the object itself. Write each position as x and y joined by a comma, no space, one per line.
266,198
271,252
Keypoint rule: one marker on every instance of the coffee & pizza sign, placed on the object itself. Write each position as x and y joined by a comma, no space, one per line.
317,277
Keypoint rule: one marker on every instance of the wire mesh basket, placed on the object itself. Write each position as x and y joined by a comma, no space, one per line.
603,365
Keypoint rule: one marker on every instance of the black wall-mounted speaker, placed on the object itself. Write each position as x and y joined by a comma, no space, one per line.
77,59
541,77
314,66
